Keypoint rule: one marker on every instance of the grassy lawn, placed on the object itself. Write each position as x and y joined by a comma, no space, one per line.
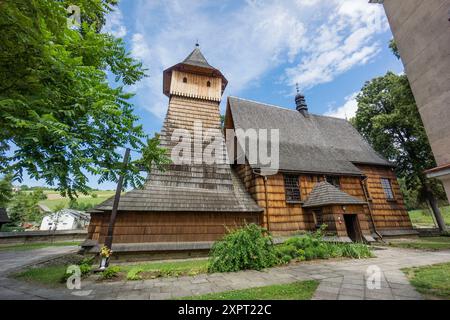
50,276
32,246
55,201
423,243
164,269
432,281
303,290
423,218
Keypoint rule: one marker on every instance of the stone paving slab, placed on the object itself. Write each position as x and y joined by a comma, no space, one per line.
339,280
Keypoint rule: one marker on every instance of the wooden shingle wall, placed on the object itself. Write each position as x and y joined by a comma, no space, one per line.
387,214
288,218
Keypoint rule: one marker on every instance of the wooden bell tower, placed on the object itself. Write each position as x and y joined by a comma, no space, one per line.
194,78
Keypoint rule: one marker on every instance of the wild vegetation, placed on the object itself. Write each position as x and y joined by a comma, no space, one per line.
251,247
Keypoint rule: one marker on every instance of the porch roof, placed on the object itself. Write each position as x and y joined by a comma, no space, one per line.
324,194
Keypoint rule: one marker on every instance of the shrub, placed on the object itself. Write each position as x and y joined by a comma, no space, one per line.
312,246
85,269
110,272
134,274
250,247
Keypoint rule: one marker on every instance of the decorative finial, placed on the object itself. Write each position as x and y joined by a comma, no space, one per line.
196,44
300,102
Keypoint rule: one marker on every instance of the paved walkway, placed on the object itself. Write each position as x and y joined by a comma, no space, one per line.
346,279
14,260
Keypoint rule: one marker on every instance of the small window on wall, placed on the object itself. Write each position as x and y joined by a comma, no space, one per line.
333,180
292,188
184,80
208,84
387,187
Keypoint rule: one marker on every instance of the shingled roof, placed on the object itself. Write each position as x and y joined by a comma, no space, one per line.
324,194
194,63
313,144
171,191
196,58
3,216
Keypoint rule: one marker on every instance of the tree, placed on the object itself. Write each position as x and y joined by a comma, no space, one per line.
394,48
59,117
388,118
6,192
24,206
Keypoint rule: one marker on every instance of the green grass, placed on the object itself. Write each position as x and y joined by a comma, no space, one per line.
303,290
432,281
32,246
52,204
50,276
423,243
423,218
164,269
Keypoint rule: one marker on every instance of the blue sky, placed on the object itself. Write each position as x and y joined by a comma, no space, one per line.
263,47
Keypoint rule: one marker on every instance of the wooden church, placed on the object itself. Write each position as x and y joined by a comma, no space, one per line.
328,174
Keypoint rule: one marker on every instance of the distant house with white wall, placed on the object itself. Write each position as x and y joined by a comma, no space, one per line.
65,219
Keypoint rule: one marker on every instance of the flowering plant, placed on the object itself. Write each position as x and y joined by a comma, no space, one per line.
105,252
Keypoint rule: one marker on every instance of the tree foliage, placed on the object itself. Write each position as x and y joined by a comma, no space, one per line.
60,117
6,192
388,118
24,206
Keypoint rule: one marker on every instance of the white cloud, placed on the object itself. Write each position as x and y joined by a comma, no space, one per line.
314,41
347,110
114,24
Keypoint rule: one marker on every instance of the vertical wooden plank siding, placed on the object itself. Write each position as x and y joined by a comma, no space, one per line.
141,227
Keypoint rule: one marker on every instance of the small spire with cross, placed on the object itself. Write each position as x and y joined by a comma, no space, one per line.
300,102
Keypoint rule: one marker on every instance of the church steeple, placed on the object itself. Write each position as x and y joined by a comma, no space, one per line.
194,78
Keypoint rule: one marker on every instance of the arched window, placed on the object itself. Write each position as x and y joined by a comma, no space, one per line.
184,80
208,84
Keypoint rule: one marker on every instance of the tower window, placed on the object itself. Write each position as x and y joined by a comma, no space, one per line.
292,189
387,187
208,84
184,80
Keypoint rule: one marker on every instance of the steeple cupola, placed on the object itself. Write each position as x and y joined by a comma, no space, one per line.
194,78
300,102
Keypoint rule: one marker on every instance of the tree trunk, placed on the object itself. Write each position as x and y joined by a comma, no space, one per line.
436,212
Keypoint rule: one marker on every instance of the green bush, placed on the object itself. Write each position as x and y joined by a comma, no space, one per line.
85,269
134,274
110,272
312,246
250,247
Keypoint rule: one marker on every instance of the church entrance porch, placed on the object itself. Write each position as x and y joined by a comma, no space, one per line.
352,226
345,223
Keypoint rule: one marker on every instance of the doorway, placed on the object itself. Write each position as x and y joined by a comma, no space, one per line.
353,229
